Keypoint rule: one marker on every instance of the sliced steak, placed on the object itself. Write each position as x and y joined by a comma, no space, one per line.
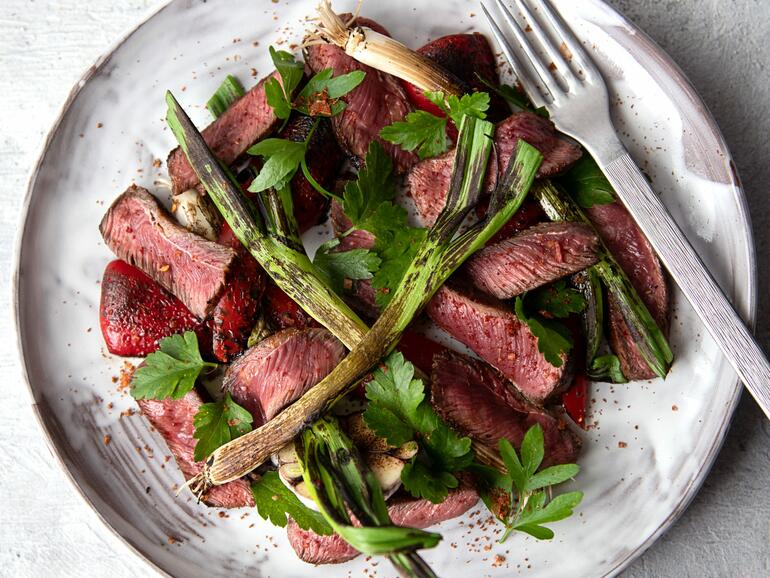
247,120
633,252
428,181
496,335
141,232
279,369
479,402
135,312
532,258
421,514
377,102
173,419
468,57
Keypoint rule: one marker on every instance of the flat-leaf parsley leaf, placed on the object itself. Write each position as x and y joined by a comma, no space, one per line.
218,423
275,502
171,371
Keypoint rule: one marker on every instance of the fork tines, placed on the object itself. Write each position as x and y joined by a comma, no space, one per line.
545,80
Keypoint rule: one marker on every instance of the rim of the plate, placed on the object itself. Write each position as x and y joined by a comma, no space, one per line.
693,100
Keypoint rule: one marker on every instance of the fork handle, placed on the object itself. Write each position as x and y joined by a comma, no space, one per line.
691,275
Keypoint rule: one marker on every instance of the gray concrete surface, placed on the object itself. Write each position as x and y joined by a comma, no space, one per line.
45,46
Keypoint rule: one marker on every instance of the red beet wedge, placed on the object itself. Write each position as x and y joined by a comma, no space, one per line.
135,312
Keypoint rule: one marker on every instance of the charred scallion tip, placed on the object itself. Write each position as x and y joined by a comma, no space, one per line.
381,52
290,268
437,258
647,336
340,484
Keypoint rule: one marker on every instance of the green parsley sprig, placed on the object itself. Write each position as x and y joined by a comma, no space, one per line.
217,423
369,203
540,310
518,497
586,183
426,132
172,370
399,412
275,502
337,267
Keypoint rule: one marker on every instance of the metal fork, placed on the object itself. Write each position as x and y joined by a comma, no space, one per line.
574,93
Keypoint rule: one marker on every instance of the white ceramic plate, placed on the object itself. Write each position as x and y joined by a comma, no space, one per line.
651,443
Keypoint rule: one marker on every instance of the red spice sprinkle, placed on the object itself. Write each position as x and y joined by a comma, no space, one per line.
622,444
107,439
674,408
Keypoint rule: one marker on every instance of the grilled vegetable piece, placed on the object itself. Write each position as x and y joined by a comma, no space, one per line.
141,232
634,254
495,333
480,403
532,258
282,312
135,312
247,120
315,549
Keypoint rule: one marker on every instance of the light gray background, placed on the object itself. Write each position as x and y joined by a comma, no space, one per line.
45,527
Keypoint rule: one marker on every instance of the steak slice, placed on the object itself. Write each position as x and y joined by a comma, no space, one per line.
532,258
377,102
496,335
141,232
468,57
479,402
404,511
633,252
247,120
173,419
428,181
280,368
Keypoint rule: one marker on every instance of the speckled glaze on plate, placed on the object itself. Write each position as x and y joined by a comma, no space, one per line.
651,443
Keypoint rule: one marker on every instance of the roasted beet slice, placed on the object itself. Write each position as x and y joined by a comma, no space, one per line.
428,181
377,102
173,420
141,232
315,549
136,313
479,402
247,120
494,332
280,368
534,257
633,252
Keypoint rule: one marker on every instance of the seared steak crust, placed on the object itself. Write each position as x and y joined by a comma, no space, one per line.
142,233
532,258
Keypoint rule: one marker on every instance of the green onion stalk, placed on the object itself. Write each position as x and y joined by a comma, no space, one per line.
340,484
286,263
437,258
647,336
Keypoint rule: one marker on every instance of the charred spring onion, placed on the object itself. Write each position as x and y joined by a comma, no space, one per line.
381,52
437,258
340,484
291,268
647,336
